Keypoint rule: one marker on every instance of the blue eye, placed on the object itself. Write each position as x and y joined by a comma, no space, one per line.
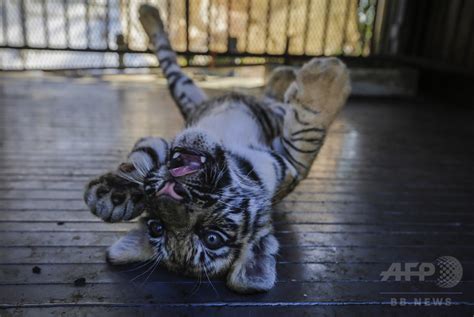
155,229
213,240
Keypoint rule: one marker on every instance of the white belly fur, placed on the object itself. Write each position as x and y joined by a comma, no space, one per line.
232,124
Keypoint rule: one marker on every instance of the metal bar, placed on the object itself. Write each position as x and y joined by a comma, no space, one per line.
5,22
133,67
306,26
44,12
107,22
374,23
270,58
449,31
439,28
382,46
209,25
364,36
470,45
24,29
129,23
267,29
66,22
229,9
326,23
120,41
247,27
346,24
464,36
168,12
458,31
186,12
287,24
87,20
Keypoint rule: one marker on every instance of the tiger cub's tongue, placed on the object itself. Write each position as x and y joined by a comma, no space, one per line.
191,163
183,170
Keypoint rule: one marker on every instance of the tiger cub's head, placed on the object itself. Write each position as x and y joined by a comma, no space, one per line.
209,214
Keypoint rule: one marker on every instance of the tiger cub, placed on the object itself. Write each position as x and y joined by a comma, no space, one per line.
206,196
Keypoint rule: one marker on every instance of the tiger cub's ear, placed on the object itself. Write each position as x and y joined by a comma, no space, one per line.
255,269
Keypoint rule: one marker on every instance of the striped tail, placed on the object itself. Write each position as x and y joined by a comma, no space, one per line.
182,88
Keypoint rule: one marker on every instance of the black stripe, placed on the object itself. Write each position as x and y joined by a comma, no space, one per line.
222,171
171,85
167,60
182,97
310,140
291,158
260,120
283,110
243,205
297,117
255,225
246,222
258,112
308,130
164,46
150,152
280,163
181,79
309,109
266,119
165,65
188,81
246,168
202,257
297,149
230,224
174,75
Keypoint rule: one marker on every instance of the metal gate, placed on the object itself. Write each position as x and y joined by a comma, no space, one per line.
65,34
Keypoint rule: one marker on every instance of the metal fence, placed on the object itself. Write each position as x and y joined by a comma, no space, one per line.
59,34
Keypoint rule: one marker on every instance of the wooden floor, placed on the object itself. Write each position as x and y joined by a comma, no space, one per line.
393,183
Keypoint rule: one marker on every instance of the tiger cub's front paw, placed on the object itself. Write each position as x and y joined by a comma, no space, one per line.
113,199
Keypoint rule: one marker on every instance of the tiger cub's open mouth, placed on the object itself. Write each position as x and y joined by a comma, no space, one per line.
186,161
183,162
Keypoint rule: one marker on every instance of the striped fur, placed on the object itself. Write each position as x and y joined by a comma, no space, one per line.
237,156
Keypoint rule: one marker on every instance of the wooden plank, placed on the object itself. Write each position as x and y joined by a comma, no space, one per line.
105,274
232,310
73,214
348,175
99,226
307,185
96,254
452,210
66,274
287,239
163,292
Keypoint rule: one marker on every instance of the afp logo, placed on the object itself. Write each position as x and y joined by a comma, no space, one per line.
448,269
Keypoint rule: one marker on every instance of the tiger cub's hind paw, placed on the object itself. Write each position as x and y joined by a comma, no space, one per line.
113,199
322,86
279,81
